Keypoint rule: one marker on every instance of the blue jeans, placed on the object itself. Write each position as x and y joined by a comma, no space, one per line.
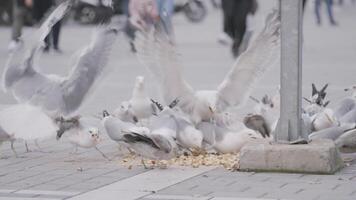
166,9
329,4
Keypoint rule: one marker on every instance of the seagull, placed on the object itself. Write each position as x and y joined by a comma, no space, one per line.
125,113
332,133
347,142
54,94
156,142
4,136
225,140
269,109
140,105
81,132
346,109
321,117
25,122
157,52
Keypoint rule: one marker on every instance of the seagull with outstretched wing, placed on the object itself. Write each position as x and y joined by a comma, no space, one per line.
156,50
54,94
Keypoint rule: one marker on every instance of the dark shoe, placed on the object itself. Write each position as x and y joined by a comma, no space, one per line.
57,50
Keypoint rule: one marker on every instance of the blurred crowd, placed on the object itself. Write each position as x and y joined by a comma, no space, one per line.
235,30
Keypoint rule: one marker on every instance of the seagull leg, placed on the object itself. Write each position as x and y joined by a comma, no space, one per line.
143,163
75,150
13,148
2,157
27,149
102,154
40,149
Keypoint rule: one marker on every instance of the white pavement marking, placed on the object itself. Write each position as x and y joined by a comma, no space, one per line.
43,192
26,198
143,184
234,198
175,197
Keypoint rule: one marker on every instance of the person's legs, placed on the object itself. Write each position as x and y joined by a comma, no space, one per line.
55,34
227,8
18,20
239,22
329,4
166,9
317,11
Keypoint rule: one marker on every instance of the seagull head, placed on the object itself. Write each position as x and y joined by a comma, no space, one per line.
125,112
139,83
94,134
352,89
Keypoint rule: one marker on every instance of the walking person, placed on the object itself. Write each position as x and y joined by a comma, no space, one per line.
235,18
40,9
19,9
329,5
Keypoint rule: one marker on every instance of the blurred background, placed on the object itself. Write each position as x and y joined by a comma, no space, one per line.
210,34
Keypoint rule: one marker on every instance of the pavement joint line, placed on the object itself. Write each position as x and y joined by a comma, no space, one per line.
245,189
336,186
231,183
101,185
46,192
191,188
263,195
284,184
136,187
24,178
299,191
46,181
352,193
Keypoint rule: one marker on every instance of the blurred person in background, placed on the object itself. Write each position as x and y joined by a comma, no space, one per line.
329,5
166,10
234,21
19,11
40,9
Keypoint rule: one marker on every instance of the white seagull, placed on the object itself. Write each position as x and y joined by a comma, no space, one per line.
139,106
156,143
157,52
225,140
57,95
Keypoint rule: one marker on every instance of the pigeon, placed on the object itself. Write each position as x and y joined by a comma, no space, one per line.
156,50
54,94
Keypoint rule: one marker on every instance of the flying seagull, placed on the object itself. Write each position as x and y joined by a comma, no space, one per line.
156,50
57,95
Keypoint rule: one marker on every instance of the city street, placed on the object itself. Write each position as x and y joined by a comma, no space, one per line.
329,56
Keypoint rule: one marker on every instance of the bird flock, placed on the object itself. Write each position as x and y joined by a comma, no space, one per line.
187,120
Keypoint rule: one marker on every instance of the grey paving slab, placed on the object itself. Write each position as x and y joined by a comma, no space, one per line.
329,57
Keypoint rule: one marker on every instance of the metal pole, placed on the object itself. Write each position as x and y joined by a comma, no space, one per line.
290,126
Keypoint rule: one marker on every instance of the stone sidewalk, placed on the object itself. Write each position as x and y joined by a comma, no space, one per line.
329,57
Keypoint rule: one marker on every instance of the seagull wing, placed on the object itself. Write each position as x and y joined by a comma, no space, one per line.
22,58
27,122
156,51
251,65
91,63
